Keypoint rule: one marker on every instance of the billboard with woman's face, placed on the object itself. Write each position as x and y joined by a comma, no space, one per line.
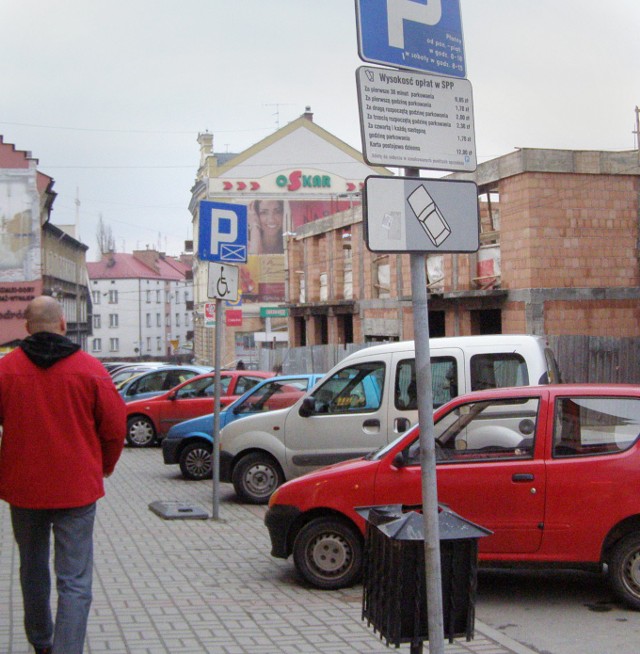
262,278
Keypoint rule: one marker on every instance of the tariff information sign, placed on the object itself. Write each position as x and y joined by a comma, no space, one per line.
416,120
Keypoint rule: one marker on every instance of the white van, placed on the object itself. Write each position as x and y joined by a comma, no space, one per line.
367,400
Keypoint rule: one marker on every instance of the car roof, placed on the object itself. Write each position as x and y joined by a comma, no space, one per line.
593,389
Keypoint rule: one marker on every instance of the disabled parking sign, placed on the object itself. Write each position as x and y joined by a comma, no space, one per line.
222,235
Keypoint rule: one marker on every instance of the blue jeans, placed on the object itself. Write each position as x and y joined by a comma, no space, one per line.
73,565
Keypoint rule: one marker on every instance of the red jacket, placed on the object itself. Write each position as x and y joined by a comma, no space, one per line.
63,429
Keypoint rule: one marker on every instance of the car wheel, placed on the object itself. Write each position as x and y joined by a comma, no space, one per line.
624,570
255,477
195,461
327,553
140,431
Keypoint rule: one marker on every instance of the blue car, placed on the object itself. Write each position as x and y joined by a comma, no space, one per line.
189,443
144,384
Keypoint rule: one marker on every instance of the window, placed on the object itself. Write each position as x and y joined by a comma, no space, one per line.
114,344
201,388
245,384
354,389
177,320
498,371
158,320
148,296
158,343
274,395
148,320
96,345
148,343
177,296
595,425
444,383
489,430
96,295
113,320
158,300
96,321
113,296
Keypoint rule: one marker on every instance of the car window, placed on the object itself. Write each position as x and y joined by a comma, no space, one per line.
199,388
273,395
484,431
245,384
354,389
150,383
444,383
586,426
498,370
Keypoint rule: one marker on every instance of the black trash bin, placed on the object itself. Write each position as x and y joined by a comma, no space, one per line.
394,598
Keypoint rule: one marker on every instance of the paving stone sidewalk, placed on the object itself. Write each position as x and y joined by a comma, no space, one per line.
201,586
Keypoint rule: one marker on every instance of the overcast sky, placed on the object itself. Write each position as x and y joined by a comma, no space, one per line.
110,95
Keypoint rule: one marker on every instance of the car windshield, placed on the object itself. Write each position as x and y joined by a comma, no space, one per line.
273,394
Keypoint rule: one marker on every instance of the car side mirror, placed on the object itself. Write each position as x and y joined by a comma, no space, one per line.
400,459
307,407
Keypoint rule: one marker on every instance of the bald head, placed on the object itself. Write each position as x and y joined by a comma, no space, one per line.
44,314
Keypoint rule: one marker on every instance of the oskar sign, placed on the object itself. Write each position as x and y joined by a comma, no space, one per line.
299,181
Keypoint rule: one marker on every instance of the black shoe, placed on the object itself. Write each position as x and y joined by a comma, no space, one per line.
43,650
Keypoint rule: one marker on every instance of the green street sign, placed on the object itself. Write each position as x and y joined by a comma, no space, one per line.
274,312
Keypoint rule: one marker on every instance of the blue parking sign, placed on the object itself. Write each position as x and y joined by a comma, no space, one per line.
423,35
222,234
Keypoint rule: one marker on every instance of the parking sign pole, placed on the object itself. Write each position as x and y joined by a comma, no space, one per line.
215,452
427,451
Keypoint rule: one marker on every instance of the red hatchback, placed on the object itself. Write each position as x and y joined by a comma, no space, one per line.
553,472
149,420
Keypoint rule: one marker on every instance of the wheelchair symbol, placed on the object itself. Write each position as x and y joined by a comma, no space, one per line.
222,287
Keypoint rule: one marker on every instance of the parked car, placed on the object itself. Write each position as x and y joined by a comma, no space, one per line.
125,372
366,401
150,419
189,443
553,471
157,381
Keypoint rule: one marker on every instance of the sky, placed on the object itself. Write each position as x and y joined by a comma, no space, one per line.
110,95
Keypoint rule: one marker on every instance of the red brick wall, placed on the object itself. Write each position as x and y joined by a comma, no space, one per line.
619,318
568,231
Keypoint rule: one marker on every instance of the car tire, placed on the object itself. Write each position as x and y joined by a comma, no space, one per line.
624,570
328,553
140,432
255,477
196,461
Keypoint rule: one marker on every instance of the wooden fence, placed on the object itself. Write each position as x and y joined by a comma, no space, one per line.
580,358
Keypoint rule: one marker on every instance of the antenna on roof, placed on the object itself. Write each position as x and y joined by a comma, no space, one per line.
277,105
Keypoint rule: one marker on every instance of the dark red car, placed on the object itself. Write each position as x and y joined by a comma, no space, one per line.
149,420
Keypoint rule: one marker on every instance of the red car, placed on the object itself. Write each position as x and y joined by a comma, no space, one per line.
553,471
149,420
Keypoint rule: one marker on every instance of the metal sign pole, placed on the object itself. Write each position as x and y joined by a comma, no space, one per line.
427,450
215,452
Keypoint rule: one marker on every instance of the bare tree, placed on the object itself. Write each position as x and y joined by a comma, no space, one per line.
106,240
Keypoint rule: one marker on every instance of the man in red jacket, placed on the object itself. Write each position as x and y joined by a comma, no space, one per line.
63,432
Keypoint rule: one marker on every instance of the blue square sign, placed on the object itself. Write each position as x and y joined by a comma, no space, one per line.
423,35
222,232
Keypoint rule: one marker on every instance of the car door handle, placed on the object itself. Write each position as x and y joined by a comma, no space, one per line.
523,476
371,423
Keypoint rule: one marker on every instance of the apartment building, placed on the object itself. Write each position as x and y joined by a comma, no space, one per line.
36,257
142,306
